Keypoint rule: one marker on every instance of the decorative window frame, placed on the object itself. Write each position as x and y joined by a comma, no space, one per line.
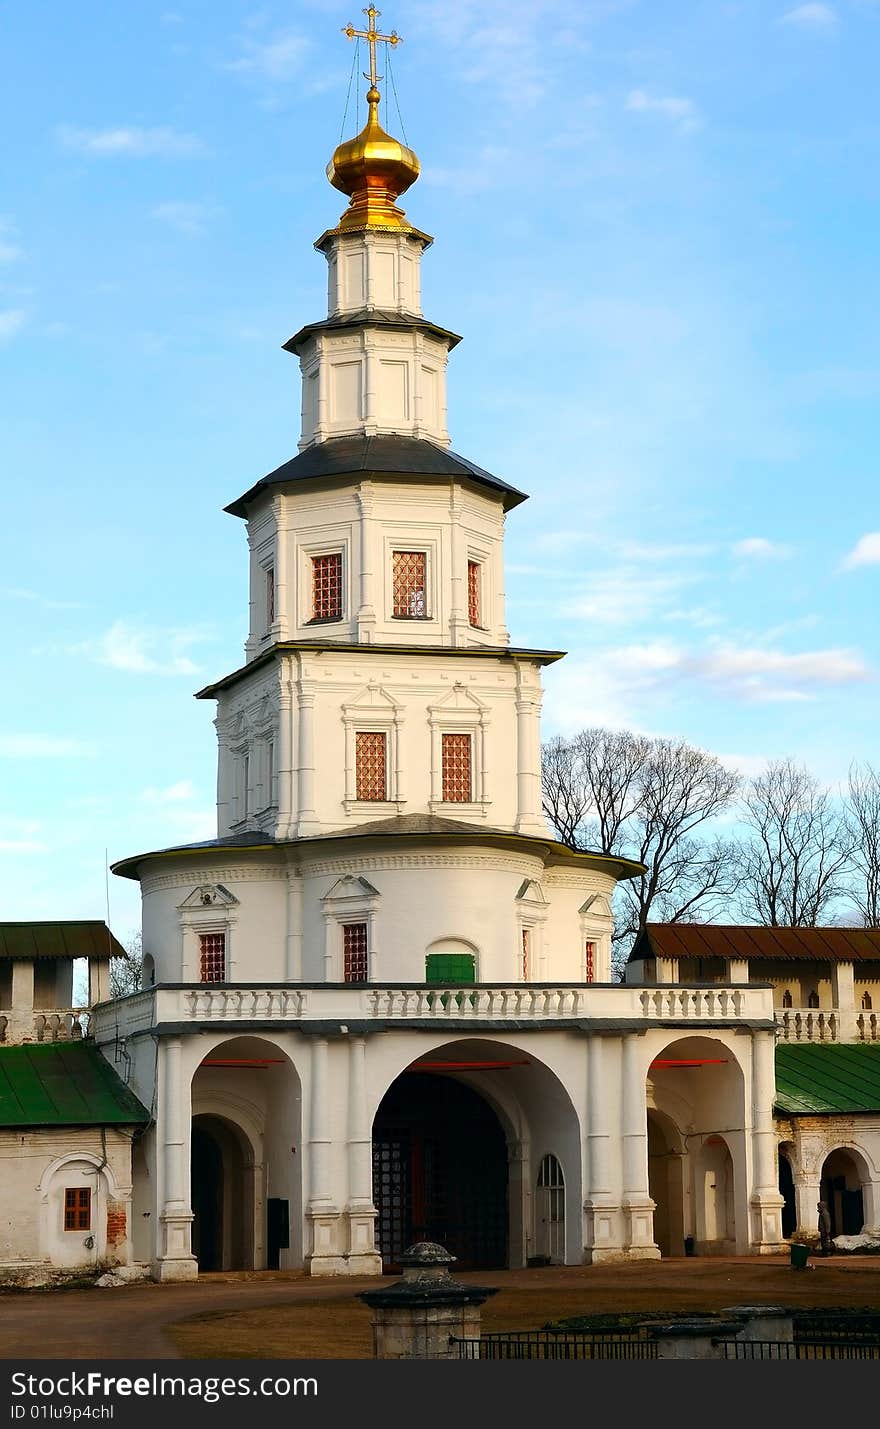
480,557
351,899
336,545
374,711
240,754
460,712
402,540
209,908
532,908
596,926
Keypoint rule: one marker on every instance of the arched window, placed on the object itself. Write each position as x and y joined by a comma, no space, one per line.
813,999
550,1211
786,998
450,961
867,1004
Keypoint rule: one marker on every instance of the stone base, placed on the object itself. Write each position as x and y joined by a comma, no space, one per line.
328,1265
599,1255
186,1268
367,1263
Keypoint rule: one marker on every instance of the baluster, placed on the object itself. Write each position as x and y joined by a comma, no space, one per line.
738,1004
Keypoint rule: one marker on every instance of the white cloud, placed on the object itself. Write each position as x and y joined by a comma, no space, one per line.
17,836
811,17
36,597
277,59
142,651
681,111
760,674
760,548
163,143
188,218
42,746
865,552
624,595
12,320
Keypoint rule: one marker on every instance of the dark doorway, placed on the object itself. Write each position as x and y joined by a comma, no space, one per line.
786,1191
841,1189
207,1199
222,1196
440,1172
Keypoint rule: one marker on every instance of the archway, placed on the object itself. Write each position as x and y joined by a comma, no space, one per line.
786,1191
440,1172
666,1184
221,1203
715,1213
840,1188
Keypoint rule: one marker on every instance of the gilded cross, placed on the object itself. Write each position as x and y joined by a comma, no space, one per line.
372,38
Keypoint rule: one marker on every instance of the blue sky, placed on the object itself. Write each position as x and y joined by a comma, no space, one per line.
657,229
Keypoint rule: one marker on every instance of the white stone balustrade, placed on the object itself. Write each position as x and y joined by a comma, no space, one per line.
826,1024
56,1024
176,1005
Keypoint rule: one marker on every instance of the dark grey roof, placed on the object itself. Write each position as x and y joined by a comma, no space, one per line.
380,456
398,826
86,938
724,940
373,317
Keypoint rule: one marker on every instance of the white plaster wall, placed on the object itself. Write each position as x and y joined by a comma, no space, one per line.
36,1165
374,270
364,520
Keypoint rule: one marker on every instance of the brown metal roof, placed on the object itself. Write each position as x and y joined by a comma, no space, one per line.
718,940
24,941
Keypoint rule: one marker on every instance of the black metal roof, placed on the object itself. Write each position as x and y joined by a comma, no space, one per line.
373,317
380,456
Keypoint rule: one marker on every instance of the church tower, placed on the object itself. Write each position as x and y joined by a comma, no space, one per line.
379,681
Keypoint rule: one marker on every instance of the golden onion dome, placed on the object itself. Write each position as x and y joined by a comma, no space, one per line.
374,169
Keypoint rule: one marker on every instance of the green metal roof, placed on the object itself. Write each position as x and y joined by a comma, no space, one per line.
816,1079
64,1084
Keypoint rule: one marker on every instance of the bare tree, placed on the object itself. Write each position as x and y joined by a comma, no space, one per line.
646,799
795,862
863,828
125,970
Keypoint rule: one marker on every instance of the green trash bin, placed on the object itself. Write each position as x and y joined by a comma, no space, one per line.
799,1255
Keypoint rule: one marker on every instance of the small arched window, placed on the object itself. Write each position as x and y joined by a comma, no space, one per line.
813,999
786,998
867,1004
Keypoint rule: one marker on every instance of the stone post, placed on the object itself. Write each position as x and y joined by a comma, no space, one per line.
762,1322
693,1339
419,1316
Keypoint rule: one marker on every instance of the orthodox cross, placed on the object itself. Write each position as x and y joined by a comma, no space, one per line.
372,38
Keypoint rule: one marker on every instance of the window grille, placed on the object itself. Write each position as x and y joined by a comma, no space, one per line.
270,596
474,594
410,569
77,1208
456,768
213,957
589,961
370,765
354,952
327,587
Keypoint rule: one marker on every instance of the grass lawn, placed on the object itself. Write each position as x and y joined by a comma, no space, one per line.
340,1327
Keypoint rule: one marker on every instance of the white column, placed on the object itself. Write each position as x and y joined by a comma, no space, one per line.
598,1128
285,772
638,1205
458,612
176,1261
307,822
362,1213
328,1254
366,616
766,1202
284,599
294,940
224,780
371,379
528,755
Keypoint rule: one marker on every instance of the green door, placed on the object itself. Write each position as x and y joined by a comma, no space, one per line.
450,968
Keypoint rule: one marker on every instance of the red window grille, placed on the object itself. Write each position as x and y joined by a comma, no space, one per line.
270,595
589,961
354,952
77,1208
526,954
327,587
410,584
370,765
456,768
474,593
213,961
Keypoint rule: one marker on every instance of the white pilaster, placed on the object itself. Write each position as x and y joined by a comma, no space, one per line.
175,1259
637,1203
363,1258
766,1202
327,1255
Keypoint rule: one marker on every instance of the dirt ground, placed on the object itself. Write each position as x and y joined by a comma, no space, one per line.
524,1300
286,1315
